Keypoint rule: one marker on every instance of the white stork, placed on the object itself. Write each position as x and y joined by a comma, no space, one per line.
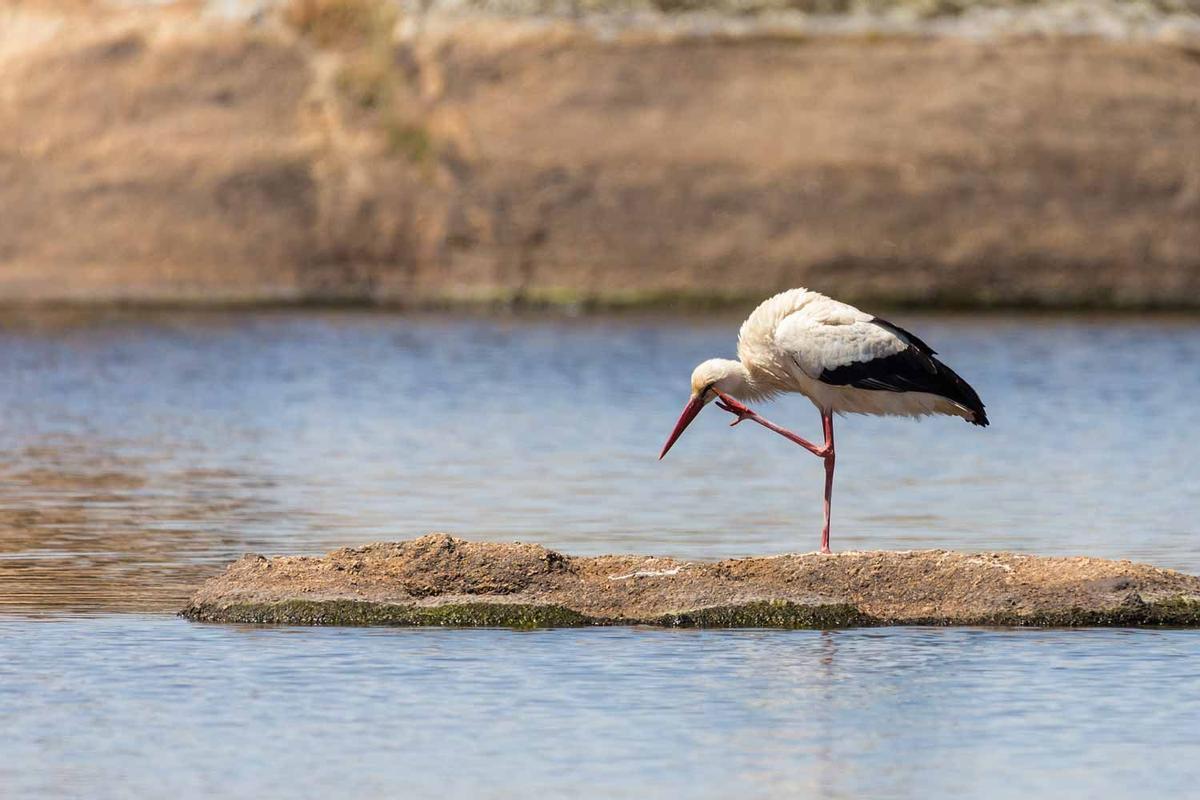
844,360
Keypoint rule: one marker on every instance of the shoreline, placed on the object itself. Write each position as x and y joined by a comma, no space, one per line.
165,157
665,304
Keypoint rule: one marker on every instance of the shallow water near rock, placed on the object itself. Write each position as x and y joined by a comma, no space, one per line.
133,705
139,453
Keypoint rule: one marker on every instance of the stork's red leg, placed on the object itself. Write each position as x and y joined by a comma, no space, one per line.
826,452
742,413
830,458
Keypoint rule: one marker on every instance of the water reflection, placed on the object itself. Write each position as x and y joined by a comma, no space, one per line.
140,452
86,528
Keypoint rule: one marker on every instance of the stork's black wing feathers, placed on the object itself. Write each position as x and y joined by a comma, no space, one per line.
889,326
913,369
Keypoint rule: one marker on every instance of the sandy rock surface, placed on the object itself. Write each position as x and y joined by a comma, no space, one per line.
439,579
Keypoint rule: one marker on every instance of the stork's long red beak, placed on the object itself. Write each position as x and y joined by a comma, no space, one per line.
689,413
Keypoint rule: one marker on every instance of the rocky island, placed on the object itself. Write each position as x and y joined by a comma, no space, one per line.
441,580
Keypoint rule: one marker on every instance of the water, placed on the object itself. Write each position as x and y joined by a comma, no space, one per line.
139,453
140,706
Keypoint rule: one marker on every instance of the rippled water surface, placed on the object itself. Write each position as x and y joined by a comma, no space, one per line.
135,706
139,453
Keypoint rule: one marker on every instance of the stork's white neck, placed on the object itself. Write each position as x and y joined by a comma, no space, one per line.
738,382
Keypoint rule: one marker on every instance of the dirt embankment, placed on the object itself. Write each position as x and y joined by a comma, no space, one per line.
151,157
441,580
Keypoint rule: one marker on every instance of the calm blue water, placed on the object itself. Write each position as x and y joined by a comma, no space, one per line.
145,706
139,453
139,705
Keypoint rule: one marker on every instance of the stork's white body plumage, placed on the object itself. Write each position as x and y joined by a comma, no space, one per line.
844,360
795,337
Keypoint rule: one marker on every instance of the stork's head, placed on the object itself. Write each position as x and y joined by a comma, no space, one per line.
708,378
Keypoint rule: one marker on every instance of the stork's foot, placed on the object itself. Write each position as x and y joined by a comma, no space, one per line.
737,409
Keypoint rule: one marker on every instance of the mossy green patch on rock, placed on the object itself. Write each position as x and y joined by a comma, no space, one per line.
360,613
765,614
1182,612
1174,611
771,614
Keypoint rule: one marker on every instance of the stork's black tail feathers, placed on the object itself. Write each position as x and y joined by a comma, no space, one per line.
969,397
945,381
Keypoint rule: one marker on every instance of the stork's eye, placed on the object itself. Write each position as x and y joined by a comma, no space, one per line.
708,389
